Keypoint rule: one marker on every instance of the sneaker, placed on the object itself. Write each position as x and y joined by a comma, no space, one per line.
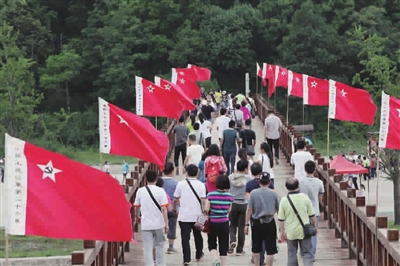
232,247
171,251
240,253
216,263
202,255
276,161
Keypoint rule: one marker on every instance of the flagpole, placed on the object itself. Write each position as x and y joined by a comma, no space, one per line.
257,83
7,248
101,161
302,132
327,137
275,99
156,123
377,200
287,108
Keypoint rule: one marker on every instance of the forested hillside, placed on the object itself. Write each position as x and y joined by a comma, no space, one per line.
57,57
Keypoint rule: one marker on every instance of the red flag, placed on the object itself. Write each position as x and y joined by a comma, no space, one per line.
350,104
259,71
189,73
315,91
51,195
262,74
281,77
188,85
295,84
179,94
124,133
150,100
202,73
270,75
389,132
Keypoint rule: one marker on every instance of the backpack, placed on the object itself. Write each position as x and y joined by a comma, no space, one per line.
213,171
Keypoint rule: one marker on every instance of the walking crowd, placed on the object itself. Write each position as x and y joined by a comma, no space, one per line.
227,199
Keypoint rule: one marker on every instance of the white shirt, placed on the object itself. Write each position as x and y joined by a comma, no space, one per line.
299,159
222,124
152,218
190,208
205,128
194,153
272,124
107,168
266,166
250,163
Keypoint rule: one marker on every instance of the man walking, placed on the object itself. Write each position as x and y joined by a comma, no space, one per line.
190,194
152,201
237,215
272,130
181,133
299,158
229,149
314,189
290,227
262,206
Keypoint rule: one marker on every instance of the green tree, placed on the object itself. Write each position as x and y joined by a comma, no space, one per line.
380,73
19,99
60,70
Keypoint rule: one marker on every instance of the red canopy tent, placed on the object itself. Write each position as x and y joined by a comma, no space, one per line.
343,166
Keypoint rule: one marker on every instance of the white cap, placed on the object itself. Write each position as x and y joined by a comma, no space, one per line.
223,92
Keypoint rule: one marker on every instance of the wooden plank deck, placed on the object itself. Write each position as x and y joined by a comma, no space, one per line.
329,251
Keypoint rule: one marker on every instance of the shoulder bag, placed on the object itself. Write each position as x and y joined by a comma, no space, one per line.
309,229
152,197
202,223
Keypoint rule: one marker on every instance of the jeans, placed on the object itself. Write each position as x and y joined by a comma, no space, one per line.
237,218
305,246
373,172
171,225
179,150
230,159
314,242
153,239
186,228
274,144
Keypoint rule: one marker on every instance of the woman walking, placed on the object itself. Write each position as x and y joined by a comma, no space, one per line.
214,166
205,128
218,205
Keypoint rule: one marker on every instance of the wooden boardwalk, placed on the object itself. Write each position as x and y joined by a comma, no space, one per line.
329,251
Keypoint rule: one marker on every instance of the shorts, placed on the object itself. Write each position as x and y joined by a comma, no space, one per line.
172,220
264,233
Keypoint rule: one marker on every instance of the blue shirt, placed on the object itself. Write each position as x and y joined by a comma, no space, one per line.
251,185
170,186
125,168
230,137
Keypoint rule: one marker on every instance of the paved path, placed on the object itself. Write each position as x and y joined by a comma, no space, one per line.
329,251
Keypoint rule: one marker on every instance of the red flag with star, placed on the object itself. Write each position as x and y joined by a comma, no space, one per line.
342,102
281,77
202,73
179,95
315,91
270,75
389,131
186,82
124,133
295,84
53,196
151,100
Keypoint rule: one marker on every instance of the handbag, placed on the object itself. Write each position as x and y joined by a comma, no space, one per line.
152,197
203,222
309,229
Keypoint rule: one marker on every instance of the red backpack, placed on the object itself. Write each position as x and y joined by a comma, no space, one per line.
212,170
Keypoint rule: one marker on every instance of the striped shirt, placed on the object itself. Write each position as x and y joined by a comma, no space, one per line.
220,202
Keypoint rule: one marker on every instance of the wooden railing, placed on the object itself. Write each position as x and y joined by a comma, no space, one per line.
101,253
362,232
